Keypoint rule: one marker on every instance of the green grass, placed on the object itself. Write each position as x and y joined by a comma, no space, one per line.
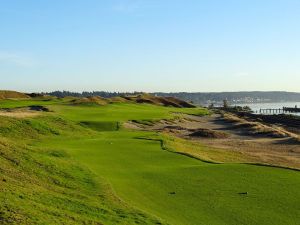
101,125
69,165
144,175
42,185
121,112
16,103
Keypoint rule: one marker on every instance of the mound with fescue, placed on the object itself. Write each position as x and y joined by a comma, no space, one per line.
163,101
41,96
144,98
256,128
25,112
12,95
118,99
90,101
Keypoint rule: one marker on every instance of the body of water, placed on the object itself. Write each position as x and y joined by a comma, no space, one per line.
277,105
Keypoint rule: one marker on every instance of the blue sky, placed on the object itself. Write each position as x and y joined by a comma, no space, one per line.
150,45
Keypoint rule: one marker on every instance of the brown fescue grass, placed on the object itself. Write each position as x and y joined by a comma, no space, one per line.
205,153
118,99
163,101
257,128
207,133
19,114
90,100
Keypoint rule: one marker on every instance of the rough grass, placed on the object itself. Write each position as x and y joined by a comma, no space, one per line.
196,150
19,114
162,101
118,99
93,100
257,128
12,95
143,98
207,133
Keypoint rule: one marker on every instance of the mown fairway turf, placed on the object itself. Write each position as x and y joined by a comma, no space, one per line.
176,188
120,112
11,103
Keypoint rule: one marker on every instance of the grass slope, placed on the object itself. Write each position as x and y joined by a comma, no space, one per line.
75,168
39,185
12,94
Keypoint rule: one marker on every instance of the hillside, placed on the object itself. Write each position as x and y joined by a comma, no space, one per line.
41,185
141,98
12,95
94,99
155,100
90,100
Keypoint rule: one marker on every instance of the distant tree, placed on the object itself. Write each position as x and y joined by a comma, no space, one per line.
225,104
211,106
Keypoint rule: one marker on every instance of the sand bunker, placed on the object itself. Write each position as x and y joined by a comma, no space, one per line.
19,114
30,111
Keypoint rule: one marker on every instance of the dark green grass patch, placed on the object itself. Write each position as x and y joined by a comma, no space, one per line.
10,103
101,126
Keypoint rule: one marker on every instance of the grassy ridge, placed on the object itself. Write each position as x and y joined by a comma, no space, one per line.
12,94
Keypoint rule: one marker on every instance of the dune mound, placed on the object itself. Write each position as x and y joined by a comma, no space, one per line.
12,95
143,98
90,100
41,96
256,128
19,113
163,101
118,99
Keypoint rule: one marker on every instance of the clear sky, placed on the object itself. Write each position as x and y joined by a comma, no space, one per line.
150,45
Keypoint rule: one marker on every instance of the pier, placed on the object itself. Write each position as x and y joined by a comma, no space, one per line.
284,110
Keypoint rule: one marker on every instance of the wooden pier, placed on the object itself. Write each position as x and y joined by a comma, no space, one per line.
284,110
